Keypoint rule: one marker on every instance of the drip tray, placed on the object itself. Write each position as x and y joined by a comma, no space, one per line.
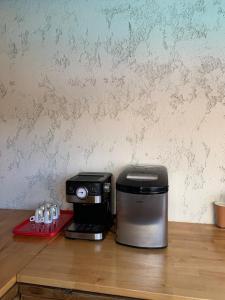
85,231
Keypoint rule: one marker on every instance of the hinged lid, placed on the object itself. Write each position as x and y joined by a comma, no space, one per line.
143,179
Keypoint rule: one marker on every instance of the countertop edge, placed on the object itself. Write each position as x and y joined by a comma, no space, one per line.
7,286
101,289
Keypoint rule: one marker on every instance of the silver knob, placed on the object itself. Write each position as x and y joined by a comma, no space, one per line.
107,187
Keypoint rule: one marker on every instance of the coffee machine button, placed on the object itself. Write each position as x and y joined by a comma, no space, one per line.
107,187
81,192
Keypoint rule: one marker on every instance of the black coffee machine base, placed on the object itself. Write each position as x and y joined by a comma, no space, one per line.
85,231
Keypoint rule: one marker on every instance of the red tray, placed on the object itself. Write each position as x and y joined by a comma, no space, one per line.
29,228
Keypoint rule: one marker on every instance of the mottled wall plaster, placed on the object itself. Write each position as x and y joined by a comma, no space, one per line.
95,85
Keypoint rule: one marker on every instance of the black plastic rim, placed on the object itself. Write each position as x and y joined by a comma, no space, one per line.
142,190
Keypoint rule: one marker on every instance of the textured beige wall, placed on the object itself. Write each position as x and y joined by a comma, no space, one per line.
95,85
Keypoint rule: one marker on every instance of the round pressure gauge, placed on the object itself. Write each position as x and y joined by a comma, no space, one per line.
81,192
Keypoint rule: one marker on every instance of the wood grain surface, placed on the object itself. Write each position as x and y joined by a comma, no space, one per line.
12,293
38,292
15,252
192,267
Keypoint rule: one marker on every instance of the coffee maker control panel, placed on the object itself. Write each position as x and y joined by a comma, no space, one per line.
88,187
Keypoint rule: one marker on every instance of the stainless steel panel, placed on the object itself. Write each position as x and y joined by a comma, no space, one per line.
84,236
142,220
141,177
89,199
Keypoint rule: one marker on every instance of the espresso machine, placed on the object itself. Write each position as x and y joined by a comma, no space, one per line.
90,193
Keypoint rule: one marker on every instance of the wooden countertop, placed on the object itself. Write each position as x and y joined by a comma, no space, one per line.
15,252
192,267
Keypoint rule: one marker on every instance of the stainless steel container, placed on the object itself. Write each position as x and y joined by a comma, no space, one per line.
142,206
